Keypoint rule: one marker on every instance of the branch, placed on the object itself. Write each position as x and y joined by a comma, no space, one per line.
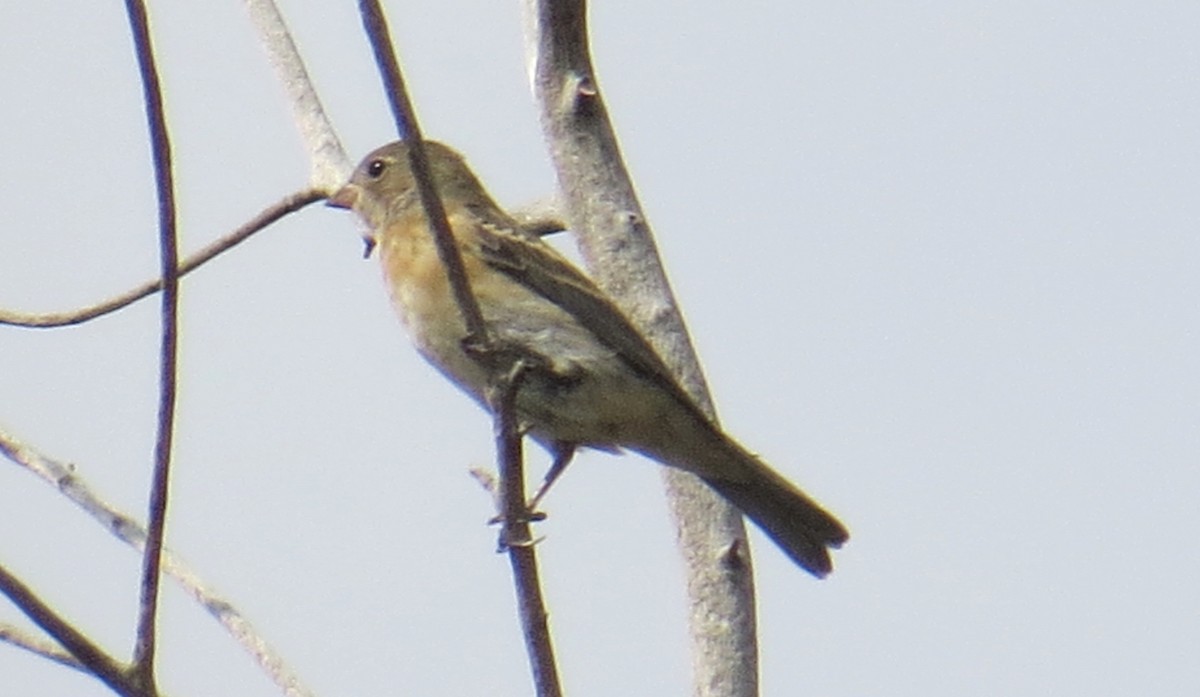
160,145
14,636
329,169
71,485
406,123
99,663
516,537
272,213
329,166
616,243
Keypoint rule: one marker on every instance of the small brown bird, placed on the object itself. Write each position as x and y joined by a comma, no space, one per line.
597,383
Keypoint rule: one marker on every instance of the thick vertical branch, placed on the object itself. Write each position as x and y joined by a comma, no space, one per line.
144,647
615,240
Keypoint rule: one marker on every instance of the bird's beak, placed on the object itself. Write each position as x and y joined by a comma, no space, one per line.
345,197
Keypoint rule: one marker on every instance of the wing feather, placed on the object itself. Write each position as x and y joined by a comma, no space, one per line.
530,261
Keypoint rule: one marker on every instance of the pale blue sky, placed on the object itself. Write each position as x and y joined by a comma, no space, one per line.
939,260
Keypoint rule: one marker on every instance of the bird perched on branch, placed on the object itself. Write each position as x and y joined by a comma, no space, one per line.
595,380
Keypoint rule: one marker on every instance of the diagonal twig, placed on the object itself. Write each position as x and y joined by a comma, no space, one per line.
50,320
15,636
328,164
516,536
98,663
72,485
406,122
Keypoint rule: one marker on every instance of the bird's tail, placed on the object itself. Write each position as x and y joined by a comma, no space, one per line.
796,523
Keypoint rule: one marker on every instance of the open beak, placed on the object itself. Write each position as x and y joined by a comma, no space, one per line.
345,197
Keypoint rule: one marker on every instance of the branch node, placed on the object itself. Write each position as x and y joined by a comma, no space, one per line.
65,483
734,557
586,87
508,540
579,94
529,516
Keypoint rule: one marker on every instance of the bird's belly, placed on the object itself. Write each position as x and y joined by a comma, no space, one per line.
581,391
607,406
589,397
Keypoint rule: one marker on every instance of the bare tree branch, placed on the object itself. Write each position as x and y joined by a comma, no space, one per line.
617,245
49,320
327,158
517,538
98,663
131,532
160,145
328,169
406,123
14,636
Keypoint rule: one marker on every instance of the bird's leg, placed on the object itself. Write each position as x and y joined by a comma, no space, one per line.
563,452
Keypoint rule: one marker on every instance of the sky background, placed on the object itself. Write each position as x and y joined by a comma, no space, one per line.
940,261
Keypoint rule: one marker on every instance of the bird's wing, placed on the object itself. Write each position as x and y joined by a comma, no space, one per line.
536,265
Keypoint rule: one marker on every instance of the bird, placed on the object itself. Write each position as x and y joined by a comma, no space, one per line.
594,380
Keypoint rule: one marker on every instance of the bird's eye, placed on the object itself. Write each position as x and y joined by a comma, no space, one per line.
375,168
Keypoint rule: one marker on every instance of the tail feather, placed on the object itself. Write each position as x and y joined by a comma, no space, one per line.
798,524
800,527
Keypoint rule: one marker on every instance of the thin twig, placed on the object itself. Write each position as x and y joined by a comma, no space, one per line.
616,243
406,123
67,480
14,636
49,320
513,511
99,663
516,537
160,145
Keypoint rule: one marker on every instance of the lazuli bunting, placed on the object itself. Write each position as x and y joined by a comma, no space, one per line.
596,381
